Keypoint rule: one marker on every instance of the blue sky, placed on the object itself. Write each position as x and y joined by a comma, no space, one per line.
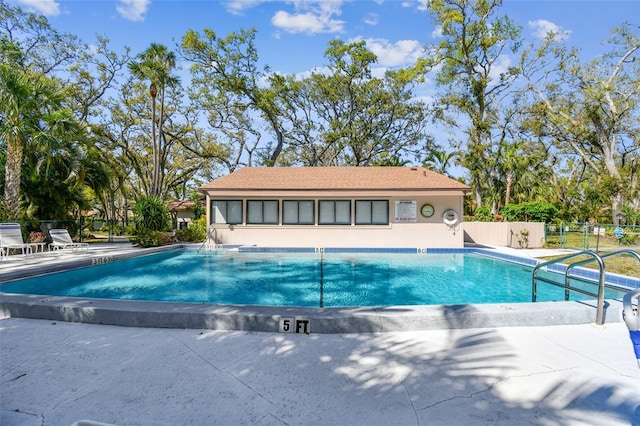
292,35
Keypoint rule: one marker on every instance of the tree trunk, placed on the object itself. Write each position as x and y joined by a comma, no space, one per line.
13,171
607,143
154,166
507,192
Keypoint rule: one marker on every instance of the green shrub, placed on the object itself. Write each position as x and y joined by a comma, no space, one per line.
151,214
628,239
154,238
195,232
483,214
530,212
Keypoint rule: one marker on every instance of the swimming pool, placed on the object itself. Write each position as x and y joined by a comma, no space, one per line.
297,279
318,317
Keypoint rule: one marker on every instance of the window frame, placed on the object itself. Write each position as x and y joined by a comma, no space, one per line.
263,211
297,221
335,204
226,212
371,212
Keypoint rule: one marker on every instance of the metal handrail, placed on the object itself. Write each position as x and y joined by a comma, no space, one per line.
601,285
206,240
567,284
568,277
623,251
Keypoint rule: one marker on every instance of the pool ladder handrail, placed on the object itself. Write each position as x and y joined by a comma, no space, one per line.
206,239
568,277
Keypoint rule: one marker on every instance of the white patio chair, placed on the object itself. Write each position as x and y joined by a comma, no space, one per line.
11,239
62,240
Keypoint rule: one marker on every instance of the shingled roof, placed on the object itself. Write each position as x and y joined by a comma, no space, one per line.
334,178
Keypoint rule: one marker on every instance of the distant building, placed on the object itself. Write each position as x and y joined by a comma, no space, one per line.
181,213
335,207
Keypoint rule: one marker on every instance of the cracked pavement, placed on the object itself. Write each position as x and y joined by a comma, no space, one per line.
56,373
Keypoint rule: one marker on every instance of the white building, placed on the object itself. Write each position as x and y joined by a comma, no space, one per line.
321,207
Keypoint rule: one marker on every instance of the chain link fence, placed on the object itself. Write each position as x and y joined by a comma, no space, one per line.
80,230
592,236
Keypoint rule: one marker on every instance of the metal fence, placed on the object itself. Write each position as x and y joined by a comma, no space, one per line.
79,229
592,236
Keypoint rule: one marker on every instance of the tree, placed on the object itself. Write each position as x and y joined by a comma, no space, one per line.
183,154
229,121
228,67
589,111
45,50
31,107
29,50
345,116
91,77
48,94
61,177
440,160
473,44
155,65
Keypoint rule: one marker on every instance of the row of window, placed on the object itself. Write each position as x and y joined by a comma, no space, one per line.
300,212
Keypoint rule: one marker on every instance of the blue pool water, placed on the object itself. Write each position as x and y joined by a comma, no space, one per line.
286,279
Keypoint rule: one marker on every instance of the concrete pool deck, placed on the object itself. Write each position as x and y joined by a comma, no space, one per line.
57,373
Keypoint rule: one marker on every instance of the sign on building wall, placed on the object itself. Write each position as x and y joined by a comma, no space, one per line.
405,211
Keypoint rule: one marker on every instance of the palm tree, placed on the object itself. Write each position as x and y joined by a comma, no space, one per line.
440,160
155,64
61,176
29,108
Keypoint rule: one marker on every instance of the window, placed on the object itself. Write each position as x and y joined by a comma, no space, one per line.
262,212
298,212
226,211
334,212
372,212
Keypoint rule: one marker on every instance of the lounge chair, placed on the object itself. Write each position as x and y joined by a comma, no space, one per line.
62,240
11,239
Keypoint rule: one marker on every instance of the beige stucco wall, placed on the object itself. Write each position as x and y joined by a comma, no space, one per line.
504,233
404,235
423,233
184,217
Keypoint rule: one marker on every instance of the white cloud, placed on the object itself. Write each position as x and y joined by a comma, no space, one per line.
307,16
378,72
418,4
371,19
45,7
311,17
500,66
237,7
317,70
402,52
133,10
299,23
437,32
542,27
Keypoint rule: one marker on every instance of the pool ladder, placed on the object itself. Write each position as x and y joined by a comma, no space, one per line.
568,276
205,244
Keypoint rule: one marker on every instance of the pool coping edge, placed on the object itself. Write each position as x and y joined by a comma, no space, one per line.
319,320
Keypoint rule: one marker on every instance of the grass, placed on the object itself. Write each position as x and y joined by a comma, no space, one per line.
623,264
99,238
576,240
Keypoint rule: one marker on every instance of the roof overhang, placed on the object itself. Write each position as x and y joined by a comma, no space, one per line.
252,193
